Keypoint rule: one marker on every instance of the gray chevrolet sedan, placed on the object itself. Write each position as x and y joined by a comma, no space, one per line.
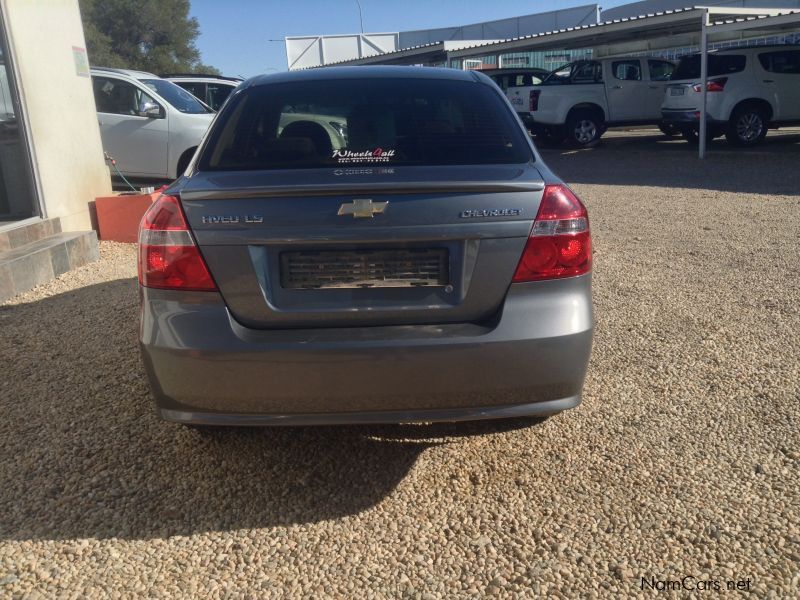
365,244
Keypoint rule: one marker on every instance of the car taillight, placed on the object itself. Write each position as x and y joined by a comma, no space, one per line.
534,100
168,257
713,85
559,244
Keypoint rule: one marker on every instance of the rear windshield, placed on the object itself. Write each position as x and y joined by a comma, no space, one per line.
330,123
582,71
718,64
507,80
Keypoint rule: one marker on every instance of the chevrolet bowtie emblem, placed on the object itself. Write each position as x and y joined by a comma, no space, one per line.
362,208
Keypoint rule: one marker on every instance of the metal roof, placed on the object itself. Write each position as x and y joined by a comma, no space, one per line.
759,24
415,51
653,31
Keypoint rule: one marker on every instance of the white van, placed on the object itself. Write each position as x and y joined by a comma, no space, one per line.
149,125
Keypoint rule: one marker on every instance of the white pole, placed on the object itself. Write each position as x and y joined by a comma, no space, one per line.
704,82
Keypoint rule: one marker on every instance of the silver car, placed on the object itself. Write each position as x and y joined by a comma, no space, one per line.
365,244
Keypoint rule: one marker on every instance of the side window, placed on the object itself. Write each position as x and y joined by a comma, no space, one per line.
660,70
519,80
785,62
587,72
119,97
217,94
198,90
627,70
725,64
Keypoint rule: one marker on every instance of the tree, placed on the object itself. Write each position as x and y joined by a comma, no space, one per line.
148,35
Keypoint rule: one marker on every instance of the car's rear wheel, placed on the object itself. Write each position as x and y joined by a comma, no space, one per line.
584,128
747,126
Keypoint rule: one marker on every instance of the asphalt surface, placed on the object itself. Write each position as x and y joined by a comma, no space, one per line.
682,462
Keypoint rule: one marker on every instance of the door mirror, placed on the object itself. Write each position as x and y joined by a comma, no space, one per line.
151,110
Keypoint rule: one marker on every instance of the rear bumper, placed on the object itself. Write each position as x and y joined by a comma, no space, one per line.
679,116
544,408
206,368
685,116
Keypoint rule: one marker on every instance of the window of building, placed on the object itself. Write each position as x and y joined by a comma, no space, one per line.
17,195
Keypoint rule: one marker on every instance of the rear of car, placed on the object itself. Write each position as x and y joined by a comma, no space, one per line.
748,91
684,95
570,103
518,85
360,245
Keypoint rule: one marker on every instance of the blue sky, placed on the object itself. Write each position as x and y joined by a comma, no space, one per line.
235,34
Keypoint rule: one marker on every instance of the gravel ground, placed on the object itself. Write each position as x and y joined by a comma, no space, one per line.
682,460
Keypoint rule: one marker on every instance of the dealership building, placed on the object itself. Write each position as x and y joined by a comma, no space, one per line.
51,158
445,47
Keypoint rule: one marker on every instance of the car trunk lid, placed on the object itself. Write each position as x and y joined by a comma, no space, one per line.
298,248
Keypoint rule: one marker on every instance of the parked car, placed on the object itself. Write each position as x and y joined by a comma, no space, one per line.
150,126
211,89
432,269
516,84
581,99
749,90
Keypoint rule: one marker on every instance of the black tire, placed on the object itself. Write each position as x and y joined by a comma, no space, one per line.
669,130
584,128
747,126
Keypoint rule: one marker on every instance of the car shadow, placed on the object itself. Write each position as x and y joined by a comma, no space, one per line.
644,159
82,454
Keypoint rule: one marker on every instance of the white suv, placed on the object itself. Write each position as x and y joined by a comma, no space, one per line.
749,90
150,126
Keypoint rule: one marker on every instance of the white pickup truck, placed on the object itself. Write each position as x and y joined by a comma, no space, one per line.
580,100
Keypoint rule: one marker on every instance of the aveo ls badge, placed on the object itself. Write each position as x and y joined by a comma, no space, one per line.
231,219
494,212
